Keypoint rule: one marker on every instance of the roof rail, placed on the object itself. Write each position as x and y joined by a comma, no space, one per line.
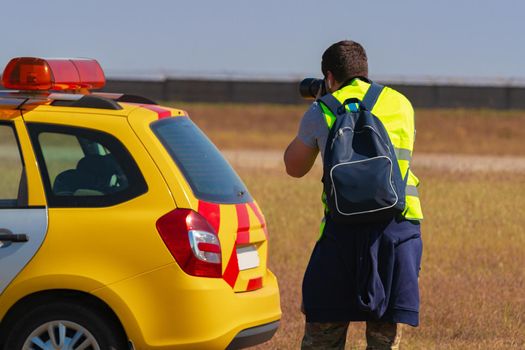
126,98
89,101
17,99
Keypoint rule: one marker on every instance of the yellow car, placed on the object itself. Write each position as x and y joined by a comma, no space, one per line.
121,224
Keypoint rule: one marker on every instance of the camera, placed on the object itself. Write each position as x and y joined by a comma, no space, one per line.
310,87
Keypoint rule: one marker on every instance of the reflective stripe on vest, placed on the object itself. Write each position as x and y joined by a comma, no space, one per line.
403,144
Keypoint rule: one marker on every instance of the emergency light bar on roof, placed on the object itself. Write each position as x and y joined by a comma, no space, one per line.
43,74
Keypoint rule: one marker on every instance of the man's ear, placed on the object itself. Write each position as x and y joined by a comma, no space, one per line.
332,83
329,80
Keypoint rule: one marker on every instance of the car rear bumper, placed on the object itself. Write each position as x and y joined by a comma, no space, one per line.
166,310
253,336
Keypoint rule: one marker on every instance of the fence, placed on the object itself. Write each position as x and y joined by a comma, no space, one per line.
286,92
424,95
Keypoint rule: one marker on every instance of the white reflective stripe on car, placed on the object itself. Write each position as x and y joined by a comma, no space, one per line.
15,255
248,257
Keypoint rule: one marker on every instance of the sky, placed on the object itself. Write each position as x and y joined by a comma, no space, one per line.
277,39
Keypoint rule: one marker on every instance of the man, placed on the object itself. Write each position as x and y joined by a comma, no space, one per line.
354,263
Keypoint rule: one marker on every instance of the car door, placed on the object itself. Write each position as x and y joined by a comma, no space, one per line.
23,225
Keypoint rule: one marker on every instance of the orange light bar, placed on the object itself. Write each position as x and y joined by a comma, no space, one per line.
31,73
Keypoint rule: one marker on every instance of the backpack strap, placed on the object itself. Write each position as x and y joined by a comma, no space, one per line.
372,95
369,100
332,103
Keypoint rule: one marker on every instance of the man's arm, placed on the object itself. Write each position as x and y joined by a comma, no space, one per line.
299,158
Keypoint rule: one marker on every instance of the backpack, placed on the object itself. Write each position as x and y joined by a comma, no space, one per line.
361,176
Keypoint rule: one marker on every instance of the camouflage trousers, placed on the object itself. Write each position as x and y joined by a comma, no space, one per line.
324,336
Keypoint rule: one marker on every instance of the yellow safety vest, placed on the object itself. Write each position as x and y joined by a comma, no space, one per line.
397,115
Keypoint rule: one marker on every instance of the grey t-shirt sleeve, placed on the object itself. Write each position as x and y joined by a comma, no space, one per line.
313,130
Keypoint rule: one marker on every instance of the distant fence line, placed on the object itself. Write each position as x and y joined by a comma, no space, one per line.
431,95
286,92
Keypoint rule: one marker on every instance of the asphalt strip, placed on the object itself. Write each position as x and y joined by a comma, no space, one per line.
272,159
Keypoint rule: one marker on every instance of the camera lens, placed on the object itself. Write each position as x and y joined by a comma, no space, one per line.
309,87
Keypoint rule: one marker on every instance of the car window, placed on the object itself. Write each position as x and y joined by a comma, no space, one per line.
207,172
61,152
82,167
13,186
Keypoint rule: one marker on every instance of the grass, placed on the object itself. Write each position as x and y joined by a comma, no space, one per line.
473,271
466,131
473,276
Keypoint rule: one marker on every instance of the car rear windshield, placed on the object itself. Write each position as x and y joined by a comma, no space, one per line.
210,176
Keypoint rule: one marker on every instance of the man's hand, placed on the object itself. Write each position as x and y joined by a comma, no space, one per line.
299,158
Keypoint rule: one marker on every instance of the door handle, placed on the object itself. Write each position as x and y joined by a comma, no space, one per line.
7,237
18,238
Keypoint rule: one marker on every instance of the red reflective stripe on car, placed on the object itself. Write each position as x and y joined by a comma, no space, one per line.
212,213
260,217
162,113
232,269
255,283
243,237
243,226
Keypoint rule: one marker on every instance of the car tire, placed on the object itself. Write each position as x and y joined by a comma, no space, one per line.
61,325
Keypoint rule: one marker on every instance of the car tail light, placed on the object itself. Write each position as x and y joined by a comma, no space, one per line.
192,241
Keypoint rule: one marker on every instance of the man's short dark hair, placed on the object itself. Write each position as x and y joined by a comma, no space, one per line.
345,59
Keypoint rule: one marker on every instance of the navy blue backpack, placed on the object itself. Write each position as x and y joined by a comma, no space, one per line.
361,178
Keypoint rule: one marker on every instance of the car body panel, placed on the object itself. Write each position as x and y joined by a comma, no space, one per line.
31,222
130,226
237,224
31,218
116,254
140,120
188,313
36,195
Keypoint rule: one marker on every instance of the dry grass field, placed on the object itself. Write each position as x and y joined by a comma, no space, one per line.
444,130
472,277
473,270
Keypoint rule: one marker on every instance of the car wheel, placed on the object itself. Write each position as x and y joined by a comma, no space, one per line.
65,326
